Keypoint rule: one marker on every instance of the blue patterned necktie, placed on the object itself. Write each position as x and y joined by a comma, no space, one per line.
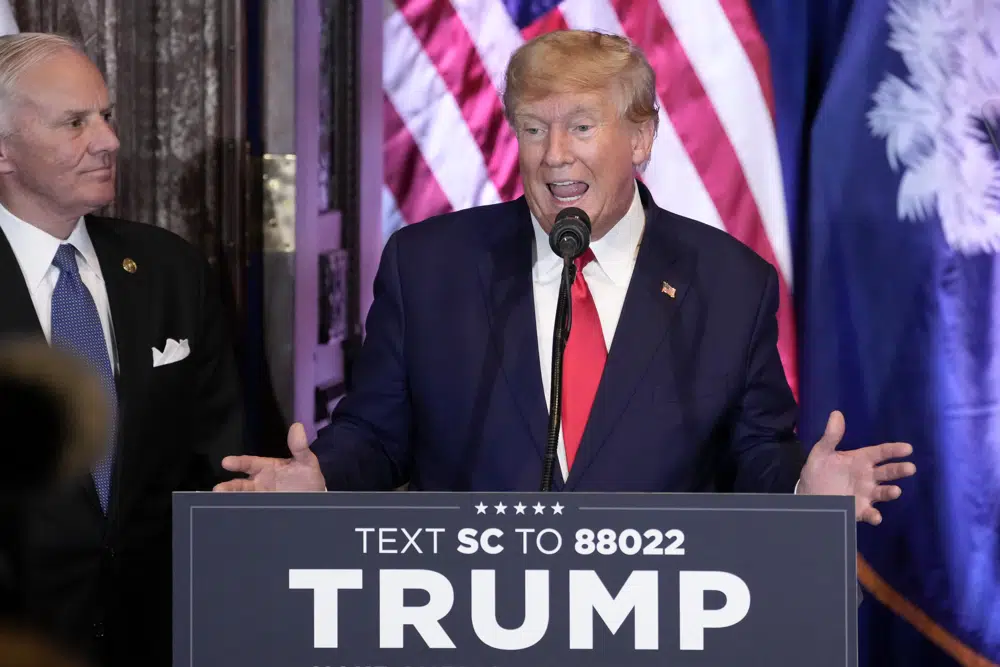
76,327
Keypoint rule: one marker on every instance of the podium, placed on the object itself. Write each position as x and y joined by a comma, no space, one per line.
513,580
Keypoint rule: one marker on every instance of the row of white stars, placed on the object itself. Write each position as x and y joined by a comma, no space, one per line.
518,508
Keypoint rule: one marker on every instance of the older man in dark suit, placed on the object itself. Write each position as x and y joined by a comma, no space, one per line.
139,304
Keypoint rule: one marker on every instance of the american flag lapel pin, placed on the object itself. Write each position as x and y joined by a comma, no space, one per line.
668,289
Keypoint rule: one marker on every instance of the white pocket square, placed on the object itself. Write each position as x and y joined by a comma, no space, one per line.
173,351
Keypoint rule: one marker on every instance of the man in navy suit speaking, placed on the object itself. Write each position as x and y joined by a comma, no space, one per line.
672,379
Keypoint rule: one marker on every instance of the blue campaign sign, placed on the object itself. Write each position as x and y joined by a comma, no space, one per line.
513,580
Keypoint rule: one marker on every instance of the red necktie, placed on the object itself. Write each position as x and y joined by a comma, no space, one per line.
583,361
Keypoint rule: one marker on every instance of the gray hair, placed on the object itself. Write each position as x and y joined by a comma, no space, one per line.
18,53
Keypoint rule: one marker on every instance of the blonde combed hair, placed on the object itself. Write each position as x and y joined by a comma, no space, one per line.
567,61
18,53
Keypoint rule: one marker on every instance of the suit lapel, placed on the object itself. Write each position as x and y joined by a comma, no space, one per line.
17,316
642,327
506,279
129,299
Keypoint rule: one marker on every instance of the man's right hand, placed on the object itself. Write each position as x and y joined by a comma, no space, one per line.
299,473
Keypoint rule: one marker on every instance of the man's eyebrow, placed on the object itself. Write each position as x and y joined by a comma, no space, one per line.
525,116
73,113
578,110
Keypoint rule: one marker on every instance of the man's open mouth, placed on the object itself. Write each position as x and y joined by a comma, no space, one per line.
567,191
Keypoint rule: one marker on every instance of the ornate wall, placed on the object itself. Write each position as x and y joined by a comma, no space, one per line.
175,70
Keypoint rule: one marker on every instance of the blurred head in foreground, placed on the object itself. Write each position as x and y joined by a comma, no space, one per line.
583,106
22,648
57,145
63,411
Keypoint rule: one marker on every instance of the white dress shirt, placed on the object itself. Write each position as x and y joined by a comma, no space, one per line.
608,277
35,249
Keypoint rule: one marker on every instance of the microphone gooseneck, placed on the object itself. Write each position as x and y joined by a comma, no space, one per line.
569,238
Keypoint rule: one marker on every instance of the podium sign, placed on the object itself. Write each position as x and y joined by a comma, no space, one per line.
513,580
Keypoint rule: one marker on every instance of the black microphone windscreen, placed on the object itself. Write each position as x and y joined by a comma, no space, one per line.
573,212
570,235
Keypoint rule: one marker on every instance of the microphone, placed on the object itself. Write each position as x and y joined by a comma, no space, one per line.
569,238
570,235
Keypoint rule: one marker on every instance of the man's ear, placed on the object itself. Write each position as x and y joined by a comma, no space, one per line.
6,163
642,142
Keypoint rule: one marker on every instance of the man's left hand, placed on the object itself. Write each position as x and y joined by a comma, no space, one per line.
861,473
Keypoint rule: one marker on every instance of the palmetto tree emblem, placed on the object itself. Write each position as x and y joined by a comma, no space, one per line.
942,123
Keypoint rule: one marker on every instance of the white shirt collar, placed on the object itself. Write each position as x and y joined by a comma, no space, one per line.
35,249
614,252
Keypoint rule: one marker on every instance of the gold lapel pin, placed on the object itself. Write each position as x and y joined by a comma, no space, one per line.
668,289
129,265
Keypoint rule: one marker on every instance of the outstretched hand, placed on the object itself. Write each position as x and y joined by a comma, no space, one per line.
301,472
861,473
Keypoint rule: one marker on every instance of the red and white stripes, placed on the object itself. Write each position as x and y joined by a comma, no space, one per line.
715,158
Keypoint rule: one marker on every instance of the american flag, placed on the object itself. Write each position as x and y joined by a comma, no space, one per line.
715,158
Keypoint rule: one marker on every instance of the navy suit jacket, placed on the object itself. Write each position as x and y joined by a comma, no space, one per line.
447,390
